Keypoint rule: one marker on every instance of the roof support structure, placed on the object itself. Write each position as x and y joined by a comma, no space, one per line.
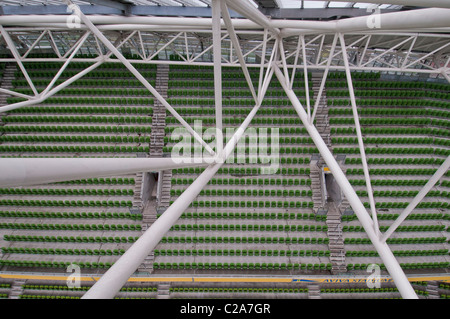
13,49
141,79
257,26
359,134
383,250
116,276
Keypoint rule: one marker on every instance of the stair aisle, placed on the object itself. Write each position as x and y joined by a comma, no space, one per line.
17,288
336,240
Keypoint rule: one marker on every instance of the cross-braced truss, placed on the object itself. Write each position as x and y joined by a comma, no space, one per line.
274,48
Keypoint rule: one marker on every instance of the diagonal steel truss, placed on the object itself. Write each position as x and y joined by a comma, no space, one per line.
272,47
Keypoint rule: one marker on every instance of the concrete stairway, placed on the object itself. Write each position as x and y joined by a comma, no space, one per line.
6,81
336,241
432,289
166,184
16,289
314,174
137,197
314,291
163,290
159,112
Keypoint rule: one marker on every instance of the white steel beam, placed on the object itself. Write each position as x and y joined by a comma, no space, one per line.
358,133
139,76
34,44
383,250
324,79
217,59
253,14
237,48
297,53
422,193
305,73
116,276
263,61
34,171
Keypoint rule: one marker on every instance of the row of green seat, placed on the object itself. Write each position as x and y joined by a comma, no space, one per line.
68,73
254,204
241,266
230,101
381,112
398,205
110,100
395,161
91,227
242,92
390,131
246,215
392,102
235,120
356,290
70,215
236,290
73,139
142,129
66,192
421,228
239,252
385,216
250,227
64,203
97,91
396,241
248,192
53,264
403,193
69,239
270,151
427,265
86,82
411,121
389,182
238,239
379,93
390,84
74,149
85,288
393,171
393,150
86,110
294,130
398,253
62,251
247,181
78,119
